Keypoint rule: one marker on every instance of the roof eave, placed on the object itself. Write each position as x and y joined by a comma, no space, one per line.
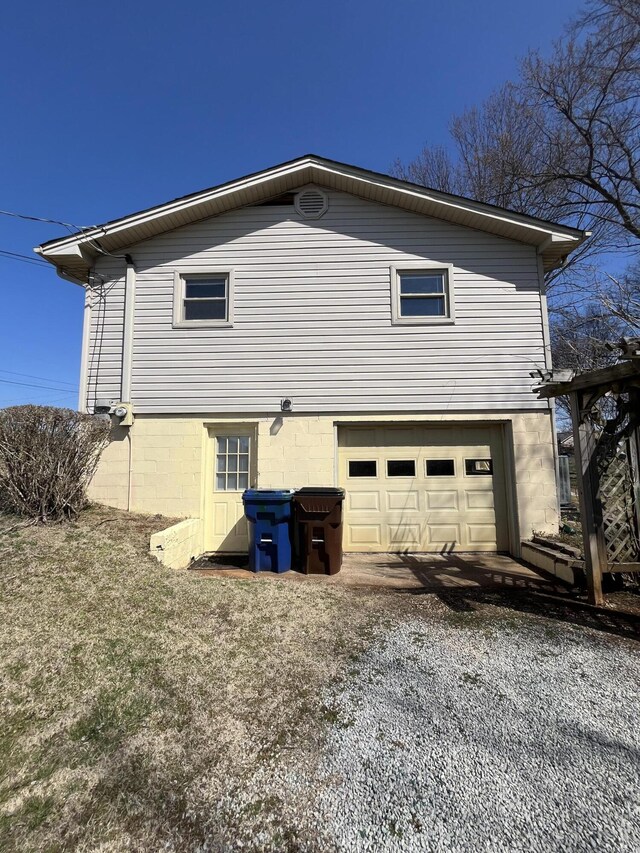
78,251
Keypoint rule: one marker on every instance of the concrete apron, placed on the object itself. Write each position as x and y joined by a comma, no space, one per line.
402,571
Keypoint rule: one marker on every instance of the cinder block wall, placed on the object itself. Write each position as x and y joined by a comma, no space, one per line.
167,460
179,544
166,468
296,451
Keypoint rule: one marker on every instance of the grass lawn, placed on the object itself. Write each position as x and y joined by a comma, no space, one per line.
135,698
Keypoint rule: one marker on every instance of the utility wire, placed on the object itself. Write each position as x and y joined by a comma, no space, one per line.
37,399
31,385
25,259
68,225
43,219
43,378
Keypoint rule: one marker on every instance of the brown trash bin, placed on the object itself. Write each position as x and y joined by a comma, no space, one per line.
317,518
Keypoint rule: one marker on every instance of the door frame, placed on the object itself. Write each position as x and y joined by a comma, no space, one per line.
211,430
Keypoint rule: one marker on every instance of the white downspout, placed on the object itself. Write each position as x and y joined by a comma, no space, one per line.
548,361
83,383
127,359
127,330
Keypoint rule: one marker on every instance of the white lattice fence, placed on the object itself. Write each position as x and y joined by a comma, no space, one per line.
617,497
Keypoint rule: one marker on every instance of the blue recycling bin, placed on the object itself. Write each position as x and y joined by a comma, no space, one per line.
268,512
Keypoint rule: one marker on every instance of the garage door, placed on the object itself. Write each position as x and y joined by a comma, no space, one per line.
423,489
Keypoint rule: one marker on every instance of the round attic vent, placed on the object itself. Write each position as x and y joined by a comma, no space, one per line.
311,204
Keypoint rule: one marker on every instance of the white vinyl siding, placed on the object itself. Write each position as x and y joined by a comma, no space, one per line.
104,355
313,321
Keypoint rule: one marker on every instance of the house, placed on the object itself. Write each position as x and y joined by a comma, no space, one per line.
319,324
565,442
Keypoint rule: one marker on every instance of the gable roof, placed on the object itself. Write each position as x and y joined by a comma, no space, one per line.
74,255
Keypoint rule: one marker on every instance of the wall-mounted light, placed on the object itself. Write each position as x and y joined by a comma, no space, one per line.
286,405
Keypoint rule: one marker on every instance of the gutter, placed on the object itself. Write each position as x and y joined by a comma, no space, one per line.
62,274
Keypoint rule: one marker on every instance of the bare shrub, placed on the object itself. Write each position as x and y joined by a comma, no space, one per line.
47,458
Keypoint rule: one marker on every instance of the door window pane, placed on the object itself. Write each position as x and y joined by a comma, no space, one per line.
440,468
401,468
232,463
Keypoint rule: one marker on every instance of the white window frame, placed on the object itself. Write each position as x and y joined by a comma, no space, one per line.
226,473
179,291
428,267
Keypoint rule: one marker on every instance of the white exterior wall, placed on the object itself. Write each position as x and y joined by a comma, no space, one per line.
313,318
103,368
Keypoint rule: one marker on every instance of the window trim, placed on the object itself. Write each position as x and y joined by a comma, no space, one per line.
488,459
226,473
429,267
180,277
351,476
439,459
411,459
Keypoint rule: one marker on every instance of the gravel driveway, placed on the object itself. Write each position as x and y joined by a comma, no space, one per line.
485,738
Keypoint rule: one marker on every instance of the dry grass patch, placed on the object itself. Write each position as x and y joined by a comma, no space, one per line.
135,698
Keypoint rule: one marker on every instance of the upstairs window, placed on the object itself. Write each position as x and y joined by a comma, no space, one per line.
202,299
422,295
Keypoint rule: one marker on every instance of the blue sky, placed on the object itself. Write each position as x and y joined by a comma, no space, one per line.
109,108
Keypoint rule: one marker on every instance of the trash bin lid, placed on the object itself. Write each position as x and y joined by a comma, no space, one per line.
266,495
321,491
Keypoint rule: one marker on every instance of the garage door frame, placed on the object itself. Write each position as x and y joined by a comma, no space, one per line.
504,433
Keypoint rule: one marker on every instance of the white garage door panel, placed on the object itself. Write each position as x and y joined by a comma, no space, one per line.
444,511
363,500
366,534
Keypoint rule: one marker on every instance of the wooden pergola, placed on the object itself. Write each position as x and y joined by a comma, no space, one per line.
605,415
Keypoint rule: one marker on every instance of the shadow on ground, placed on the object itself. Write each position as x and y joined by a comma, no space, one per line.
621,617
465,583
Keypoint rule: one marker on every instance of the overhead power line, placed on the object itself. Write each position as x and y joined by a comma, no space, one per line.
43,219
70,226
31,385
43,378
25,259
38,399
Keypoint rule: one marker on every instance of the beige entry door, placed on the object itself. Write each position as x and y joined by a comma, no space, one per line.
434,489
231,471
